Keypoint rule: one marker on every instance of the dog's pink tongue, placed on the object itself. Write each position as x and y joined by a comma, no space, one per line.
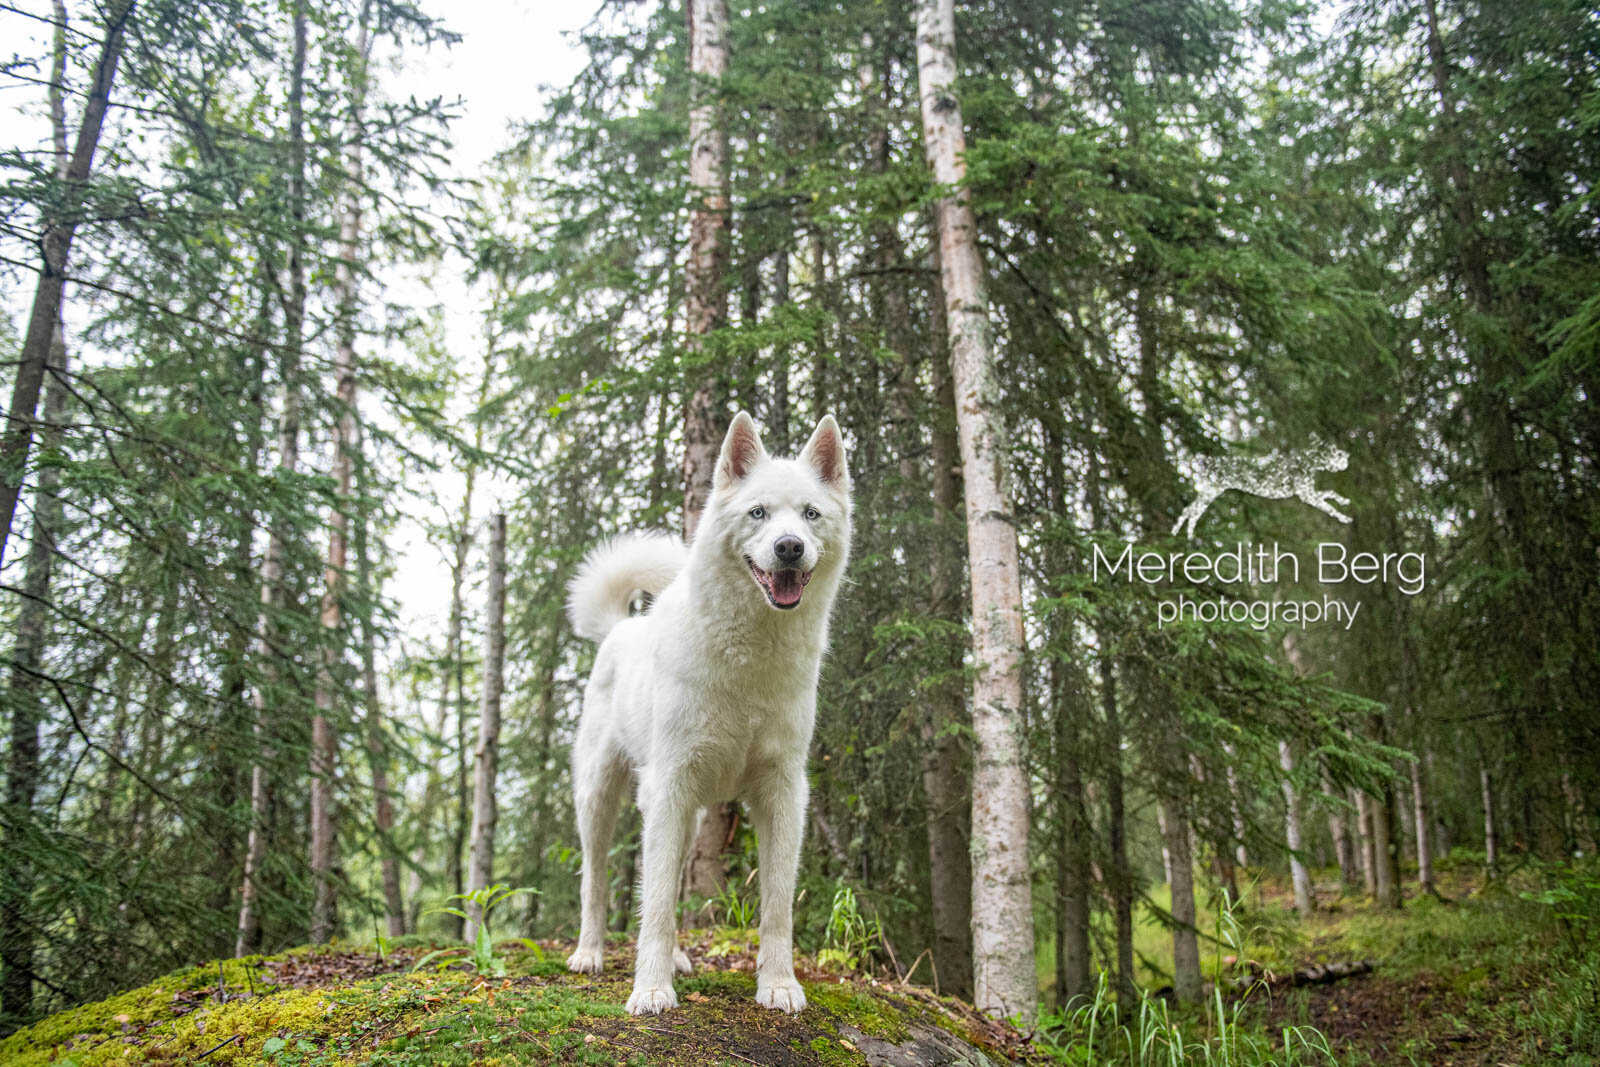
787,587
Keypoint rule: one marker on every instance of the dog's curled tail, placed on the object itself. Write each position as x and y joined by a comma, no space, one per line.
613,571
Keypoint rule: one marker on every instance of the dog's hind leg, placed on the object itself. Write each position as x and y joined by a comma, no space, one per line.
778,808
598,785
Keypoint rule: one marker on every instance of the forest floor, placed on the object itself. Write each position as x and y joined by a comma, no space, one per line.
1478,976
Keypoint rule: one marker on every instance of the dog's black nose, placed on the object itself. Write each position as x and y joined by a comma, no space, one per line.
789,549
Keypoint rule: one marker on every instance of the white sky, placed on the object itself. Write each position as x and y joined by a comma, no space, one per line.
511,52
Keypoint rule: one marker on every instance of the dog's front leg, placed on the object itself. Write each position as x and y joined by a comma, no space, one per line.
668,825
778,808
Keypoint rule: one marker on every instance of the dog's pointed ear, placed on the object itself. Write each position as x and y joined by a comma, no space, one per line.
825,453
741,451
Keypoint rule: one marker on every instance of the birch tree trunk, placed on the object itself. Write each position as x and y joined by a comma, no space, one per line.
1291,818
1343,847
324,736
1002,906
1369,861
486,760
55,244
261,786
1241,851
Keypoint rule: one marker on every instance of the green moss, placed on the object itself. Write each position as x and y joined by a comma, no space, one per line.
830,1053
453,1018
874,1016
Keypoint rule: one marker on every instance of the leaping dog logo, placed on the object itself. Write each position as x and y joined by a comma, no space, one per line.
1276,476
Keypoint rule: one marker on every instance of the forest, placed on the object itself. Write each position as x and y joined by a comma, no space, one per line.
1214,675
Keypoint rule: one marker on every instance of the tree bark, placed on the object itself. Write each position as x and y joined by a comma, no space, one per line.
1420,810
261,786
1002,908
486,760
1301,878
1241,851
22,765
56,245
32,629
377,741
1186,984
1343,845
451,696
1073,879
324,736
1369,861
705,293
1491,842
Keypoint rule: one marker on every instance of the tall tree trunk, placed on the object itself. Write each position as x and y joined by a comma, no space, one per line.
1120,881
32,627
1002,904
55,243
486,760
1291,818
1385,847
1074,882
1343,845
22,764
324,736
1069,711
1186,983
1420,810
377,739
705,291
1369,859
272,592
450,697
1241,851
1491,841
778,419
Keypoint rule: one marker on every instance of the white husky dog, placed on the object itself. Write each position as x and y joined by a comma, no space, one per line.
711,695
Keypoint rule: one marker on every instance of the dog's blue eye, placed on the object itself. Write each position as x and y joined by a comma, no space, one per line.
758,513
812,514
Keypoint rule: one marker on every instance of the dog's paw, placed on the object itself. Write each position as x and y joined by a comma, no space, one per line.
652,1001
587,961
781,996
680,962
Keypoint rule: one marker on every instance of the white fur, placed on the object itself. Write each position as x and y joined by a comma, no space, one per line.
709,697
599,597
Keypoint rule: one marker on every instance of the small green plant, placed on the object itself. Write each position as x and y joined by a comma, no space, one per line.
479,955
850,935
1100,1032
737,910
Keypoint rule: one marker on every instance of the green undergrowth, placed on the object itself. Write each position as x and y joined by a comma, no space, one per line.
536,1014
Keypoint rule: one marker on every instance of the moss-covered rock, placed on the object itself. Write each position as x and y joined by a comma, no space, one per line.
341,1006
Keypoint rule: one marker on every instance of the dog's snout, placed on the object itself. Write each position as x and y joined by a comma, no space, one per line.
789,549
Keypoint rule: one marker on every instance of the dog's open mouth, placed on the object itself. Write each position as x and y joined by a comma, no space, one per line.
783,588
